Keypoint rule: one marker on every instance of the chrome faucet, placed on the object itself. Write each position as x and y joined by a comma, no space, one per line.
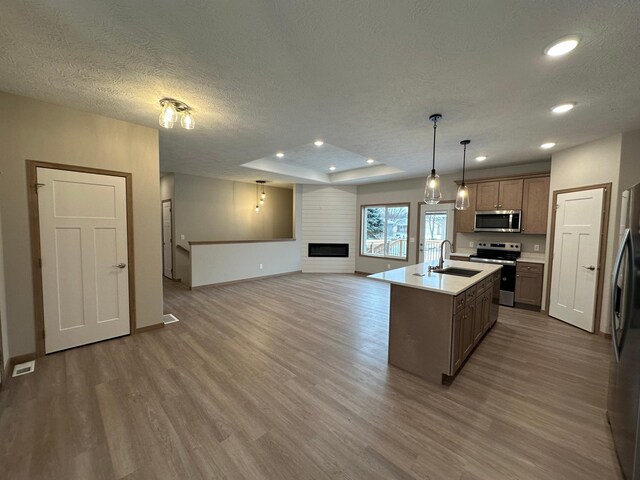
441,260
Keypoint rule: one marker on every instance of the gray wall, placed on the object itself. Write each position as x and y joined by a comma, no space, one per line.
630,160
211,209
412,191
3,305
36,130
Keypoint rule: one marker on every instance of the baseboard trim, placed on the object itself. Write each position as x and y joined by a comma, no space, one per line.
148,328
526,306
262,277
605,335
362,274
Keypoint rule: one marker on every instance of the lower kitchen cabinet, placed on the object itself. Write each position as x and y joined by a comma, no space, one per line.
529,283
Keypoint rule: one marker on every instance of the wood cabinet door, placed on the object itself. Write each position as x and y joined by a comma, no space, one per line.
466,219
467,329
529,288
486,308
478,321
458,323
535,205
510,197
487,195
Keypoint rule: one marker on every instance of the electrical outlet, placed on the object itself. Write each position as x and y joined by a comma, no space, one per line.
388,266
260,266
181,237
536,248
471,244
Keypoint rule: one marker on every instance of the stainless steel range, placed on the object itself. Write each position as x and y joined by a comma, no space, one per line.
505,254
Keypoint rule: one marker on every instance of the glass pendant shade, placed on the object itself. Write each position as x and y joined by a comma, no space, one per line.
257,208
168,115
462,198
187,121
432,194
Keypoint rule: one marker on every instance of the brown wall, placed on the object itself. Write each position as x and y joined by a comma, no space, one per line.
35,130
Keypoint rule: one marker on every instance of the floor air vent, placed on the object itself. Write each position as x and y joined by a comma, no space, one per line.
169,318
24,368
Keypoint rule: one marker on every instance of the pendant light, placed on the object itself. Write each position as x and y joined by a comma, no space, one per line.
432,194
257,196
261,195
462,197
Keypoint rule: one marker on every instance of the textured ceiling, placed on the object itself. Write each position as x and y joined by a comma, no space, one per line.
264,76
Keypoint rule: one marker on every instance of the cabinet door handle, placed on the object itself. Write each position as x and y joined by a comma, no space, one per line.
495,206
517,275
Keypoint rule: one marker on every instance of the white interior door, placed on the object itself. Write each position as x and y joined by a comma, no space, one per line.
436,225
167,243
576,253
83,241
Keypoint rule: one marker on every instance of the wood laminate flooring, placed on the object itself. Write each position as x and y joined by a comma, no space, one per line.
287,378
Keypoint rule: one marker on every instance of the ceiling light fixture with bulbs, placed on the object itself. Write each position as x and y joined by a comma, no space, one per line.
173,109
563,107
547,146
432,194
562,46
260,194
462,197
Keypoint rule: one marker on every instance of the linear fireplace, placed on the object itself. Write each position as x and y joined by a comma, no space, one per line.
328,249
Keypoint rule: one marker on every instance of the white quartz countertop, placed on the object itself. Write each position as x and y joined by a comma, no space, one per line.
437,282
531,259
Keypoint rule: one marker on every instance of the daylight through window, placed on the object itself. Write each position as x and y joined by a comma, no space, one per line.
384,230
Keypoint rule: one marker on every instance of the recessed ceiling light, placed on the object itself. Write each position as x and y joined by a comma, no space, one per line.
318,143
563,107
279,154
562,46
547,146
481,158
370,161
332,168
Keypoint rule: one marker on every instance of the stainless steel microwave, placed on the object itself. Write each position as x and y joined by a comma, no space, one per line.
498,221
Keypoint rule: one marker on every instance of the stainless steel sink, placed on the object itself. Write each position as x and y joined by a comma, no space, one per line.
459,272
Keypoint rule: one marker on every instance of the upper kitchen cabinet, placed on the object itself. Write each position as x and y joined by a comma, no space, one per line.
500,195
465,219
535,205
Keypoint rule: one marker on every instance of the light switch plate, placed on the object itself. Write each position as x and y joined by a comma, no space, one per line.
471,244
536,248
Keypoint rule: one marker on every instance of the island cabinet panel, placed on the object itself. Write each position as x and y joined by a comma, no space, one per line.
486,307
458,323
465,220
467,329
421,332
478,320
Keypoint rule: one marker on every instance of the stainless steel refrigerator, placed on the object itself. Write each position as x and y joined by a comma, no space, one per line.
624,380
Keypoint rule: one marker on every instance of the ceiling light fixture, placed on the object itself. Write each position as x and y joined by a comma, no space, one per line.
462,197
562,46
548,145
279,154
432,194
171,109
481,158
563,107
332,168
370,161
318,143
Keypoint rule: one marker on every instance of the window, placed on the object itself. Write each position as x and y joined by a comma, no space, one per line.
384,230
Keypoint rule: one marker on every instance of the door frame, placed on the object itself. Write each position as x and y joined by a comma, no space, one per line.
173,257
420,220
604,232
34,227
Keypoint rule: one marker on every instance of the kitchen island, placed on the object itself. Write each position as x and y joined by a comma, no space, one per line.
437,319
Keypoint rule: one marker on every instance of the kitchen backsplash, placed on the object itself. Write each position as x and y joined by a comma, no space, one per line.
528,242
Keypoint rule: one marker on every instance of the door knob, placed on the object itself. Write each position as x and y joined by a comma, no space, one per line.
590,267
120,265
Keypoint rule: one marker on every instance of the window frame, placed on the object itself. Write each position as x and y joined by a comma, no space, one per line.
363,229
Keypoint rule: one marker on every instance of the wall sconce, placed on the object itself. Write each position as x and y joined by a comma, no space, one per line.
172,109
